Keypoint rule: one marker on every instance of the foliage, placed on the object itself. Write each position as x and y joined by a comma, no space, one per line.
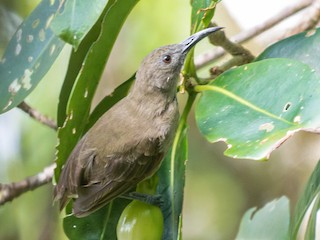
270,222
256,93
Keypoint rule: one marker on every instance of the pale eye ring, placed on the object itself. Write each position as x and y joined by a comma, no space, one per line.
167,59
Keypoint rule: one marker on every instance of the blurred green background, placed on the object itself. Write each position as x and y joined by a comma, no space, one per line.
218,189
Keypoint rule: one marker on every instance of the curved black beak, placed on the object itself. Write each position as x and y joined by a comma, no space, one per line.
193,39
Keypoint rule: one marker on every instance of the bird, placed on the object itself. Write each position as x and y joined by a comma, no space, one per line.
128,142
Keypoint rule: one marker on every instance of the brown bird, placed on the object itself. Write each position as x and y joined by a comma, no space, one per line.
127,144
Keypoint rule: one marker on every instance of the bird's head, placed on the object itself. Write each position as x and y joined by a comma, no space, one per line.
161,68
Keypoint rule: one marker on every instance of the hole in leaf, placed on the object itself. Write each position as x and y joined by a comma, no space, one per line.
287,106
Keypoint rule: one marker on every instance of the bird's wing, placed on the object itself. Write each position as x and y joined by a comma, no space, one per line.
119,177
99,170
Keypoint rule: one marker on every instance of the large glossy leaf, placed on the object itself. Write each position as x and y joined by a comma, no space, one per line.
88,79
270,222
77,19
310,194
29,55
256,107
303,47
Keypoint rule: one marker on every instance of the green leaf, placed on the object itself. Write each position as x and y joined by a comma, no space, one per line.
77,19
270,222
171,186
310,193
303,47
29,55
202,13
256,107
74,67
311,228
98,225
172,178
110,100
88,79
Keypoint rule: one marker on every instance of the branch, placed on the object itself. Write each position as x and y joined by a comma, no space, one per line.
208,57
37,115
10,191
240,55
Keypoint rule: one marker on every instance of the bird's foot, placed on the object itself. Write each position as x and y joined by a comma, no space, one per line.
155,200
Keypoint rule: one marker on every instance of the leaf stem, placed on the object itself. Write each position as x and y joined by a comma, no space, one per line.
181,127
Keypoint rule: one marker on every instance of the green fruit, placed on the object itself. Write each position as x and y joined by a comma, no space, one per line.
140,221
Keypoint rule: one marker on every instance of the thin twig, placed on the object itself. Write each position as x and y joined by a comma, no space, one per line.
208,57
10,191
240,55
37,115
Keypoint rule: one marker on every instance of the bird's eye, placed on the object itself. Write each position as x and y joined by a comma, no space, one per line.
166,59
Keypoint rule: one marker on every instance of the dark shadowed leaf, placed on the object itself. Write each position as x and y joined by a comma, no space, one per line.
29,55
171,185
99,225
256,107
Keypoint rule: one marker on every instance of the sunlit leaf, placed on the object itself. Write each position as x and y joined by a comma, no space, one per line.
307,197
74,67
76,19
303,47
29,55
202,13
256,107
270,222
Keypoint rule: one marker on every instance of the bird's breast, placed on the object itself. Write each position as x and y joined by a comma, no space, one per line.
166,125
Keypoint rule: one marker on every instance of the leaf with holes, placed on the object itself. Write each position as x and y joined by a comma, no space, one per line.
29,55
77,19
202,13
256,107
